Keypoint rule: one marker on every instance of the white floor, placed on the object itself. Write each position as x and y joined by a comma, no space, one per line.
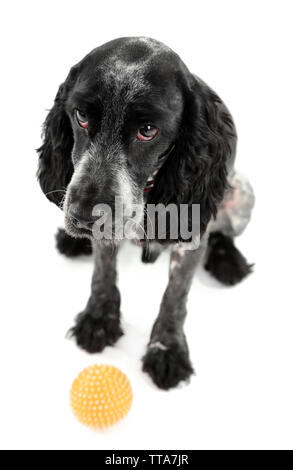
240,343
240,338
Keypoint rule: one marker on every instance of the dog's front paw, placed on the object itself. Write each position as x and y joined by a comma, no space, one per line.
167,366
93,334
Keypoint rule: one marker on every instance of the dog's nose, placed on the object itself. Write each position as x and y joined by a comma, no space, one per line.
79,220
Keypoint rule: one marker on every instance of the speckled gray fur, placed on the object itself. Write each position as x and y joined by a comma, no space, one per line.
108,162
99,324
167,357
235,211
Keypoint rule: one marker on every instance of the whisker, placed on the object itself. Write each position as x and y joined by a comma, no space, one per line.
137,223
146,212
56,191
62,202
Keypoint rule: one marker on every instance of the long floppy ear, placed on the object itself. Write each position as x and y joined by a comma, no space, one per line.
55,165
196,170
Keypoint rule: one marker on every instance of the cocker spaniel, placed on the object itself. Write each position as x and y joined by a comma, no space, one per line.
130,122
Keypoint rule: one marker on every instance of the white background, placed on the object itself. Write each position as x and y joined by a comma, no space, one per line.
240,338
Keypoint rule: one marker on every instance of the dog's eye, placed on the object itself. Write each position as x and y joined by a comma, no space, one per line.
82,119
147,132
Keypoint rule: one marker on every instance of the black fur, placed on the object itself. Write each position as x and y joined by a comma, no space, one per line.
224,260
55,164
167,368
150,253
94,334
72,247
119,87
99,324
203,133
196,171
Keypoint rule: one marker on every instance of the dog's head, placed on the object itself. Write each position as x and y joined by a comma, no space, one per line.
125,105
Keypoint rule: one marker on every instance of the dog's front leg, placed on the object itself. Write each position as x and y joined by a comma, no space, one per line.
99,324
167,357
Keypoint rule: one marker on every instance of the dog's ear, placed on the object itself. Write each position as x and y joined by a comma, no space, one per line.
55,165
196,172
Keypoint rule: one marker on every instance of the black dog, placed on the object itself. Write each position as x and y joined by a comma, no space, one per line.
131,121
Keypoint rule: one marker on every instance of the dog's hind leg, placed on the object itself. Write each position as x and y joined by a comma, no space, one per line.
72,247
99,324
167,357
224,261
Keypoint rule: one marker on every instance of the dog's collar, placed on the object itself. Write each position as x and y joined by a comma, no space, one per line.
161,160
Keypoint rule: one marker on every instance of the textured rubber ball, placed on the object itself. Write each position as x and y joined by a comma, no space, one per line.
100,396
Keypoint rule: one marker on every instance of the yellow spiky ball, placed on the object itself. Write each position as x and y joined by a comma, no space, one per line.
100,396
